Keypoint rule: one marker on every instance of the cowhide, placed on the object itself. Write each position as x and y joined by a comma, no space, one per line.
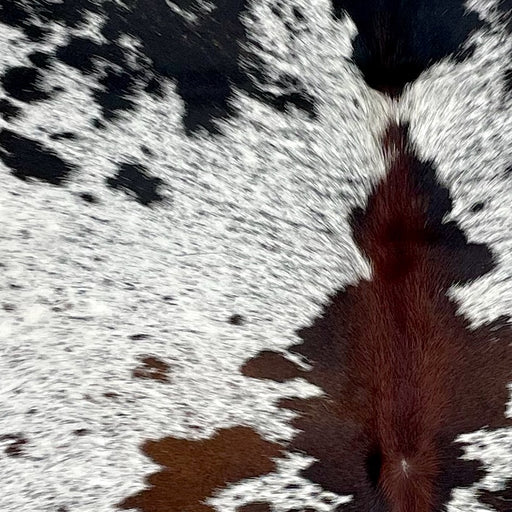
255,255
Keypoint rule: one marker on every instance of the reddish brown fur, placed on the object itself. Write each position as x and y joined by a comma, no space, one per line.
403,373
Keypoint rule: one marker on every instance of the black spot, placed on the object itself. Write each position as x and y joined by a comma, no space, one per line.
139,337
40,59
63,135
8,110
116,86
298,14
146,151
98,124
477,207
8,307
28,158
397,41
23,83
16,444
81,432
236,320
134,180
88,198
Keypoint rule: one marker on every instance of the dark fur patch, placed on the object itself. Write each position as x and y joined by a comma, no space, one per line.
397,41
135,181
403,374
193,470
204,58
28,158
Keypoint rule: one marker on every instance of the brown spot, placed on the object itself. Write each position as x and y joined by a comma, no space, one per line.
271,365
194,470
16,444
257,506
402,371
152,368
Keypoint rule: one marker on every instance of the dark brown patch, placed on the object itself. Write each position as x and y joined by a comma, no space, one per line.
271,365
257,506
194,470
152,368
403,373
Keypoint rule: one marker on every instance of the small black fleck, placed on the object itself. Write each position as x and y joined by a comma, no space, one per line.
81,432
88,198
477,207
237,320
146,151
98,124
139,336
63,135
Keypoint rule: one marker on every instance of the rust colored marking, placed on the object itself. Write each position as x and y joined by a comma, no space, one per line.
193,470
152,368
403,373
271,365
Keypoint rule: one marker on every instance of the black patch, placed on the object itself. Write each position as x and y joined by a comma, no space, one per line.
397,41
28,158
134,180
203,58
40,59
23,83
8,110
